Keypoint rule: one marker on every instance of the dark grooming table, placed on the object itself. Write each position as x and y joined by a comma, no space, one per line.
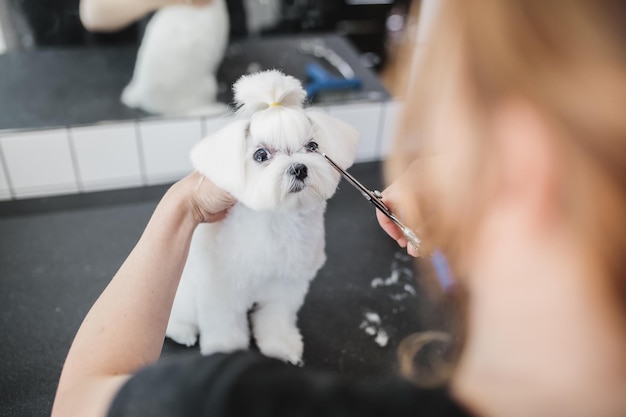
57,254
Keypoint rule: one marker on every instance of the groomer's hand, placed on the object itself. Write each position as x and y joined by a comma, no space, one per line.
391,198
206,201
401,199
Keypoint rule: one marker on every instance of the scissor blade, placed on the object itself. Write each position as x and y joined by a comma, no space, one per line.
375,199
353,181
365,192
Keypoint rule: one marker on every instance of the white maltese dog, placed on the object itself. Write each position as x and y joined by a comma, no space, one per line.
176,63
271,244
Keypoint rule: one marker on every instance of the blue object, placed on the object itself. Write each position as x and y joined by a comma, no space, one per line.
321,80
444,274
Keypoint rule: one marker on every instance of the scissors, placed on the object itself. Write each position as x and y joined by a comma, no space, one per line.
376,198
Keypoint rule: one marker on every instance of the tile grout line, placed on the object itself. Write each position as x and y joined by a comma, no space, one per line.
74,158
7,174
142,156
138,137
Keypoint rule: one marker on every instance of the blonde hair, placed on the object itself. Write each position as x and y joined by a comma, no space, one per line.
568,60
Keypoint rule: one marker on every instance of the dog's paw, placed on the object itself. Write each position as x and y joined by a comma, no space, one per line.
182,333
286,346
210,345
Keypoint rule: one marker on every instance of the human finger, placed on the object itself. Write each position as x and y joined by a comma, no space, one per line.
212,198
208,202
216,217
391,229
413,251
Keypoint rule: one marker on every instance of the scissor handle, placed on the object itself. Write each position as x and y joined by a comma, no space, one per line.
410,236
377,200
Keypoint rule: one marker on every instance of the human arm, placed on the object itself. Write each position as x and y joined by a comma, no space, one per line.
124,329
113,15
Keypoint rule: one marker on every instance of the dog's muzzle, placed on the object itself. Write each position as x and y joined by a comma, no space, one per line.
298,173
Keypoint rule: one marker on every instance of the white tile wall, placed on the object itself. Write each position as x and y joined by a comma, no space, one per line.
165,145
391,113
5,191
151,152
107,156
39,163
366,118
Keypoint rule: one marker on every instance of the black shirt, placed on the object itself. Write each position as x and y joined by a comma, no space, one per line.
248,384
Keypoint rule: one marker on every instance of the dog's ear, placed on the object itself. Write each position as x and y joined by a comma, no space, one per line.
221,156
336,138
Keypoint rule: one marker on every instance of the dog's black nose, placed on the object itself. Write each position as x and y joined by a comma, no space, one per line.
299,171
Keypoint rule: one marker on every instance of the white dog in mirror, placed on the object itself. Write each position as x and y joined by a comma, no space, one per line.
176,64
271,245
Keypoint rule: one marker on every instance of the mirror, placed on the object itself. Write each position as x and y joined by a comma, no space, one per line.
54,72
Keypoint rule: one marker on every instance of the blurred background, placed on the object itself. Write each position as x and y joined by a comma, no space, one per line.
81,173
63,129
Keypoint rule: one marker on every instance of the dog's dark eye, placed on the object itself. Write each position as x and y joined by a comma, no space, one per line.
311,146
262,155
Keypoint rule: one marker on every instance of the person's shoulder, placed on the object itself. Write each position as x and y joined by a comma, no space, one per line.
249,384
177,386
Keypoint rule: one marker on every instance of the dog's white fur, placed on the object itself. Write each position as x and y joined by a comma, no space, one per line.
176,63
271,244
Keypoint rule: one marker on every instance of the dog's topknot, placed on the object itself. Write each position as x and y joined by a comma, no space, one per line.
267,89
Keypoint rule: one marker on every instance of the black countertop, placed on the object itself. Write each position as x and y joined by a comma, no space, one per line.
65,87
57,254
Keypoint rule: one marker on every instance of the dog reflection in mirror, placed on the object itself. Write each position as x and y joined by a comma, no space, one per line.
271,245
180,52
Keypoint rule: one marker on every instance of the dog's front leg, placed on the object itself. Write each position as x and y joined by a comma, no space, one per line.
222,319
275,322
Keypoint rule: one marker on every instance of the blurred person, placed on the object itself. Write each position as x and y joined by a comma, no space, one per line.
511,160
114,15
98,22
